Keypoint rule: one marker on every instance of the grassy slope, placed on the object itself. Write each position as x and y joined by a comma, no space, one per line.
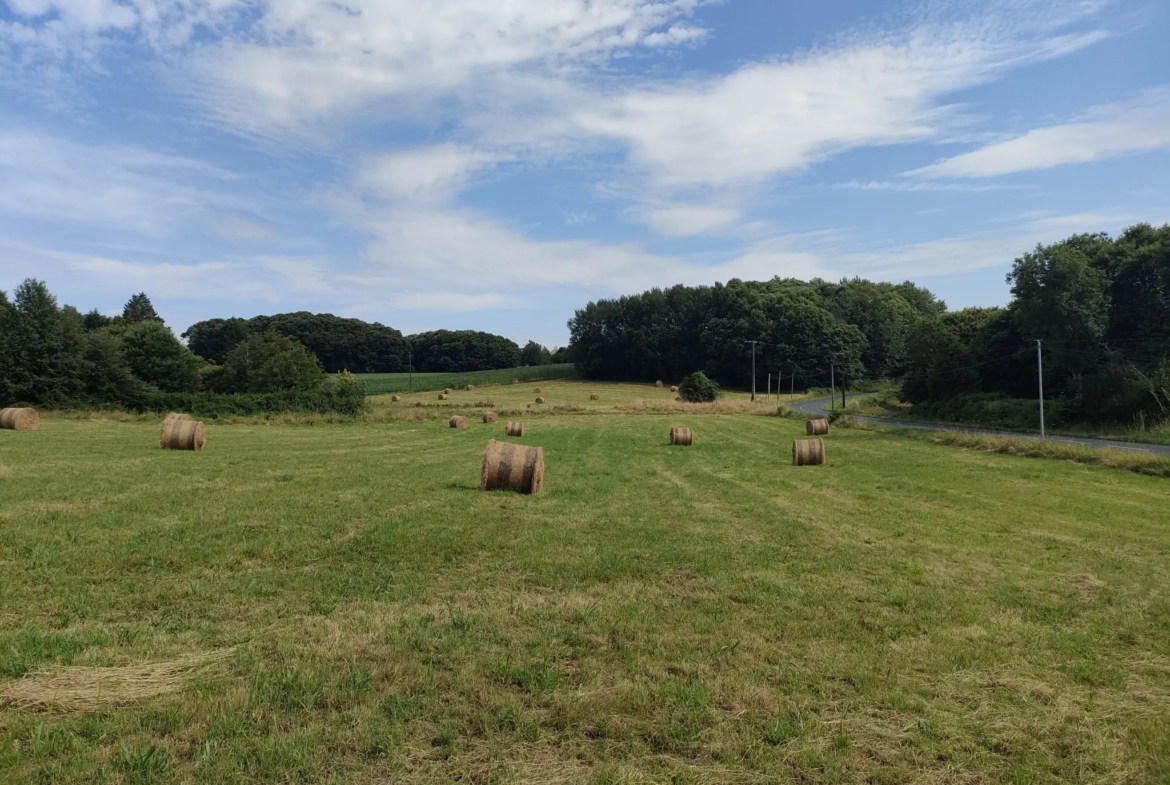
380,383
708,614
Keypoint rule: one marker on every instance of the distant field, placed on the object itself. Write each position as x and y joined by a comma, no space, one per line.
379,383
339,603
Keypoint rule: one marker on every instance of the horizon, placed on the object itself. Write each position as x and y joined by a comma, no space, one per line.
479,166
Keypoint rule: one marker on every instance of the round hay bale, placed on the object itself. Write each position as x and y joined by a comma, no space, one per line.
418,403
515,381
595,397
539,400
818,427
658,383
442,396
682,436
808,452
491,417
469,387
678,398
458,422
182,435
674,388
512,467
537,391
19,419
514,429
395,399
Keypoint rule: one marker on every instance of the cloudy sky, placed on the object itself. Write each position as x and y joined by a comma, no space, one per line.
494,164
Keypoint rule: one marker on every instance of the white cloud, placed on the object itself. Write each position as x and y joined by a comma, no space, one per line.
684,220
423,173
1105,132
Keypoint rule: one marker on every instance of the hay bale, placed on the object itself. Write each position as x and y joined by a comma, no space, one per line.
658,383
512,467
394,399
442,396
537,391
539,400
818,427
177,416
808,452
447,391
19,419
674,388
458,422
514,429
181,435
418,403
469,387
491,417
515,381
678,398
681,436
595,397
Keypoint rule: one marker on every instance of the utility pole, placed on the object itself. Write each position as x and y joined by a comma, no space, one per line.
792,381
770,385
1040,369
833,384
410,368
753,343
843,386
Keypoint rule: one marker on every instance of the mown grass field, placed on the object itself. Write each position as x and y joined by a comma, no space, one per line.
380,383
359,612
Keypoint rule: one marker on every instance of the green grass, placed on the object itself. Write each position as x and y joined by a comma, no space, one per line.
909,612
382,383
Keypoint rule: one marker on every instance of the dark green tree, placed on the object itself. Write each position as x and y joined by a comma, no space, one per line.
140,309
535,354
214,338
697,388
460,351
42,348
269,362
157,357
95,320
105,372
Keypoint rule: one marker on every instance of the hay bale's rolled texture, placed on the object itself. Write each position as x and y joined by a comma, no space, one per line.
182,435
674,388
19,419
514,429
442,396
447,391
490,417
808,452
177,416
512,467
658,383
458,422
817,427
394,399
539,400
682,436
595,397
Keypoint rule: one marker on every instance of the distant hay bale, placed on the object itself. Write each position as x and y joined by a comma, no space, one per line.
181,435
512,467
19,419
442,396
448,391
595,397
537,391
491,417
515,381
681,436
418,403
469,387
458,422
674,388
395,399
678,398
658,383
818,427
539,400
514,429
808,452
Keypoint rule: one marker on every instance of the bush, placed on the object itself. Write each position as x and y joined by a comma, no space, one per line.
697,388
268,363
157,357
340,394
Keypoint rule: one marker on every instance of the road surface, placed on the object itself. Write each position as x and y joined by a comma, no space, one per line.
817,407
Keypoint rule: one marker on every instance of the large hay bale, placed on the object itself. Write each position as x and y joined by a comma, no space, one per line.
514,429
674,388
512,467
442,396
808,452
681,436
595,397
539,400
181,435
19,419
394,399
491,417
177,416
458,422
658,383
818,427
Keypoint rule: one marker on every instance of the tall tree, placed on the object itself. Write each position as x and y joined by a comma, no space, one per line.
157,357
140,309
42,348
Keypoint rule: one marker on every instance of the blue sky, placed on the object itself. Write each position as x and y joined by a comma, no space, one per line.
495,164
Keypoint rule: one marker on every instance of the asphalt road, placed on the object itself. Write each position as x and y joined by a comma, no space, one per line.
817,407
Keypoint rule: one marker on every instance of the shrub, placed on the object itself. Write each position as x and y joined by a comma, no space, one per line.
697,388
336,394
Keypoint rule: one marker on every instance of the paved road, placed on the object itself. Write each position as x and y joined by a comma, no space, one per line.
817,407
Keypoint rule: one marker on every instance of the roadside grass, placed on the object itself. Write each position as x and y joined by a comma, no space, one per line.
908,612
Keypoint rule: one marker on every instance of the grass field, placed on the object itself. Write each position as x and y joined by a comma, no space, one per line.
339,603
381,383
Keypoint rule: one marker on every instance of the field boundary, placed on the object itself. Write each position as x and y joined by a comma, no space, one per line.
381,384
